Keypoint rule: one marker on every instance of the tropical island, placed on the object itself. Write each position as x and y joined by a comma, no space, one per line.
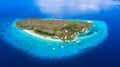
60,30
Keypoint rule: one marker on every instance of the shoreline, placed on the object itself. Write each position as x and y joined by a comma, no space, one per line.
40,36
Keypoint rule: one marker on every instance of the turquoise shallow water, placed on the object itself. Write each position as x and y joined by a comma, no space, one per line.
47,49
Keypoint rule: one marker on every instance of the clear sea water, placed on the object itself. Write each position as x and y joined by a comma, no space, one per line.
105,54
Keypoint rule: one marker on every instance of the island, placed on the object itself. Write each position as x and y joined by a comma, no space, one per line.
61,30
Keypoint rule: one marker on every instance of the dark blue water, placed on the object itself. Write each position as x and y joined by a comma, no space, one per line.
107,54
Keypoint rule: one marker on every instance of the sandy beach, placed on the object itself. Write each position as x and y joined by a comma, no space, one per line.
40,36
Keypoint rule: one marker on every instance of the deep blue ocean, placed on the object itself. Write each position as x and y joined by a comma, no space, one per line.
106,54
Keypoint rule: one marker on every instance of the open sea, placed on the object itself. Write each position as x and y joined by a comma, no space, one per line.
105,54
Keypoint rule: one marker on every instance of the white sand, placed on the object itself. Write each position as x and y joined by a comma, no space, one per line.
40,36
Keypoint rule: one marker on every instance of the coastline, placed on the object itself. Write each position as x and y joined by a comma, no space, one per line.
40,36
